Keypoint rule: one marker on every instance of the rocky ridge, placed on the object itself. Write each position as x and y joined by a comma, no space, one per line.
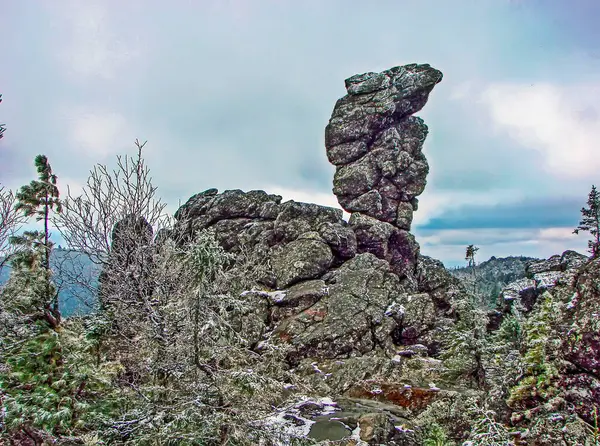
540,276
558,303
353,295
345,288
493,275
362,314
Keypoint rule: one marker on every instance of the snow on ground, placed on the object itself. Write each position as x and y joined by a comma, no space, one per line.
273,296
293,422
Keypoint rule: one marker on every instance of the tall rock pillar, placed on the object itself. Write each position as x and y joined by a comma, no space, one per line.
376,145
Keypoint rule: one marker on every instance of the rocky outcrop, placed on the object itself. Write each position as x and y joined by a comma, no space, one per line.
568,260
559,303
541,275
333,289
376,145
581,345
350,318
360,315
398,247
492,275
337,289
350,295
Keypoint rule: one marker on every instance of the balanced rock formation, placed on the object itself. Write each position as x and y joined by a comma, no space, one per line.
376,144
335,289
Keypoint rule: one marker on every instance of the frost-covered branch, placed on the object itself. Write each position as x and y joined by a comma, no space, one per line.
11,221
109,197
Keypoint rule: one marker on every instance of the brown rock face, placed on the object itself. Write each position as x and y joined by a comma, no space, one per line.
376,144
413,398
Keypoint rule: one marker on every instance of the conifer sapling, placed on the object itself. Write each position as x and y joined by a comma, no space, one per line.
590,221
470,257
2,128
38,199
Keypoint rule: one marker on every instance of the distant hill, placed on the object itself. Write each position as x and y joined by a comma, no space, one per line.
75,276
493,274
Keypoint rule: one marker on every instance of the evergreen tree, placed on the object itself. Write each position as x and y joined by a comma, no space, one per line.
2,128
29,345
38,199
49,383
470,257
590,221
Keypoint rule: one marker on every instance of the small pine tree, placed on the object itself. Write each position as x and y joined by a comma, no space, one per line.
470,257
538,343
2,128
49,382
590,221
30,353
39,198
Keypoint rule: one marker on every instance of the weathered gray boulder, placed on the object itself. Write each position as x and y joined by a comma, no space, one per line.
340,238
307,257
297,298
432,275
522,290
350,319
559,262
376,144
415,315
230,204
542,275
209,207
239,233
295,219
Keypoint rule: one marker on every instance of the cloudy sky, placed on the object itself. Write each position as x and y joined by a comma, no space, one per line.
235,94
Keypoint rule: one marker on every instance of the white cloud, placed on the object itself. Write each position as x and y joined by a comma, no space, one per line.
461,91
558,234
562,123
97,134
92,48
